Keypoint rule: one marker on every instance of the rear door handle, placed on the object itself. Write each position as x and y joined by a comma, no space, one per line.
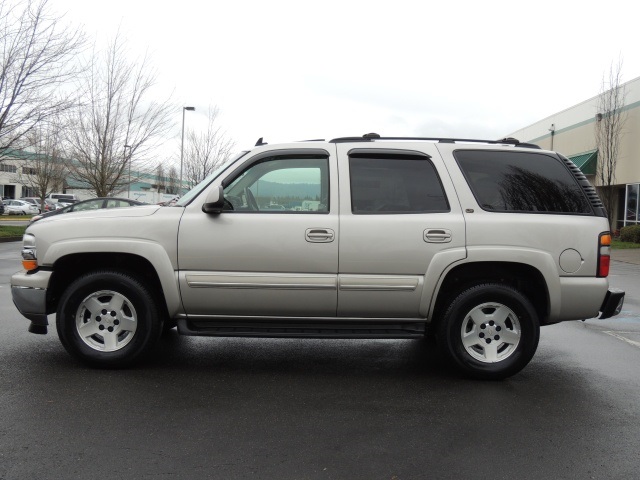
319,235
437,235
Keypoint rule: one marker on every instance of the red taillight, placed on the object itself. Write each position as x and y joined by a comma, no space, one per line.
603,266
604,254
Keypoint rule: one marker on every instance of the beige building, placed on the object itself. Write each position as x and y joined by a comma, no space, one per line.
572,133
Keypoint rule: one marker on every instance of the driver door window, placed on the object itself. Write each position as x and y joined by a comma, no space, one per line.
281,185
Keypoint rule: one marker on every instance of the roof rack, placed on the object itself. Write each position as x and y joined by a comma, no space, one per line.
370,137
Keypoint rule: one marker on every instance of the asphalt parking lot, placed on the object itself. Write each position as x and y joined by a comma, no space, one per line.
322,409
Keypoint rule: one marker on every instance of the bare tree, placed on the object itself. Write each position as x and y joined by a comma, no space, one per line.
46,168
205,151
37,59
162,181
117,122
609,126
172,183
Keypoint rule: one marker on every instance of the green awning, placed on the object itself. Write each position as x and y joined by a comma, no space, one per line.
586,162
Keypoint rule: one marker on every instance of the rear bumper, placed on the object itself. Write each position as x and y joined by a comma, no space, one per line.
612,303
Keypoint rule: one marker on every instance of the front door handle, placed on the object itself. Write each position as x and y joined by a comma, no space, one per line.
437,235
319,235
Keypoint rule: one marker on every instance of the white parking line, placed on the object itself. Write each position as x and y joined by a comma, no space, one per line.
619,336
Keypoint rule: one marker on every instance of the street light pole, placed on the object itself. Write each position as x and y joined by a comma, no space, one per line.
184,109
125,159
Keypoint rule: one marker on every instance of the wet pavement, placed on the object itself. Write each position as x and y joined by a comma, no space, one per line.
631,255
16,223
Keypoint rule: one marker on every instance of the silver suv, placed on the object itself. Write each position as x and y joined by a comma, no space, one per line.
477,242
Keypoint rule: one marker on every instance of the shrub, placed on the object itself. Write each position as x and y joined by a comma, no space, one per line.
630,234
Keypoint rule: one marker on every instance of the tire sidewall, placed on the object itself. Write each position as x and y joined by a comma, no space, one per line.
490,293
147,329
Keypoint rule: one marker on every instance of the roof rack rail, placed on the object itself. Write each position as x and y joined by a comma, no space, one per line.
370,137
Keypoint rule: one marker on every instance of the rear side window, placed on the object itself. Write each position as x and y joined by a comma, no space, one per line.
504,181
383,184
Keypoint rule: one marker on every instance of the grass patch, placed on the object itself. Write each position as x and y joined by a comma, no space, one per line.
619,244
12,218
11,231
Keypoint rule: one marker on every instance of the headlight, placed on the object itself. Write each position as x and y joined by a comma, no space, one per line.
29,256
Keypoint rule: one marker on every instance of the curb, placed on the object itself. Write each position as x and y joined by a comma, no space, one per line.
10,239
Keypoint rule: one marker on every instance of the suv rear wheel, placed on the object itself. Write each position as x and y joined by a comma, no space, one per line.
491,331
107,319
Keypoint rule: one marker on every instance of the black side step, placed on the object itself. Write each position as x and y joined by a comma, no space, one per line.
294,329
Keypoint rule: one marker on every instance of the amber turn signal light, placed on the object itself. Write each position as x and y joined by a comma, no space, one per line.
29,264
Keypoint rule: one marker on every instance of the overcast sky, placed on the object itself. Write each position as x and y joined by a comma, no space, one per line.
293,70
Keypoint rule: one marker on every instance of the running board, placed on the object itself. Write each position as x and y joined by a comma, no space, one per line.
298,329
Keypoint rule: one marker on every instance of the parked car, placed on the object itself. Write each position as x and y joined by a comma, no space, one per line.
93,204
20,207
63,197
1,207
50,205
33,200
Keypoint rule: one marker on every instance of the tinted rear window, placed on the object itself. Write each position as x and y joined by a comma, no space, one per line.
382,184
504,181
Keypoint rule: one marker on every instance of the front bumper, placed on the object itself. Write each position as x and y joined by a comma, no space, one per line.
29,293
612,303
31,302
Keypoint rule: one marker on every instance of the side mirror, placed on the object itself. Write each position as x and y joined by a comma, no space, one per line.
214,202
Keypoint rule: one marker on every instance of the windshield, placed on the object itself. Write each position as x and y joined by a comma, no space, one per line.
195,191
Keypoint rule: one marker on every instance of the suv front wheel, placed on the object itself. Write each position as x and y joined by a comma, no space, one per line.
490,331
108,319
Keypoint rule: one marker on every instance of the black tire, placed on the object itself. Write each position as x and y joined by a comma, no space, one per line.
490,331
116,314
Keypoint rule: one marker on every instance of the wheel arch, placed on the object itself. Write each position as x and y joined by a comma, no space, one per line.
69,267
523,277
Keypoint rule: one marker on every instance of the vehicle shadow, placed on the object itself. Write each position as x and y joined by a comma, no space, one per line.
298,356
